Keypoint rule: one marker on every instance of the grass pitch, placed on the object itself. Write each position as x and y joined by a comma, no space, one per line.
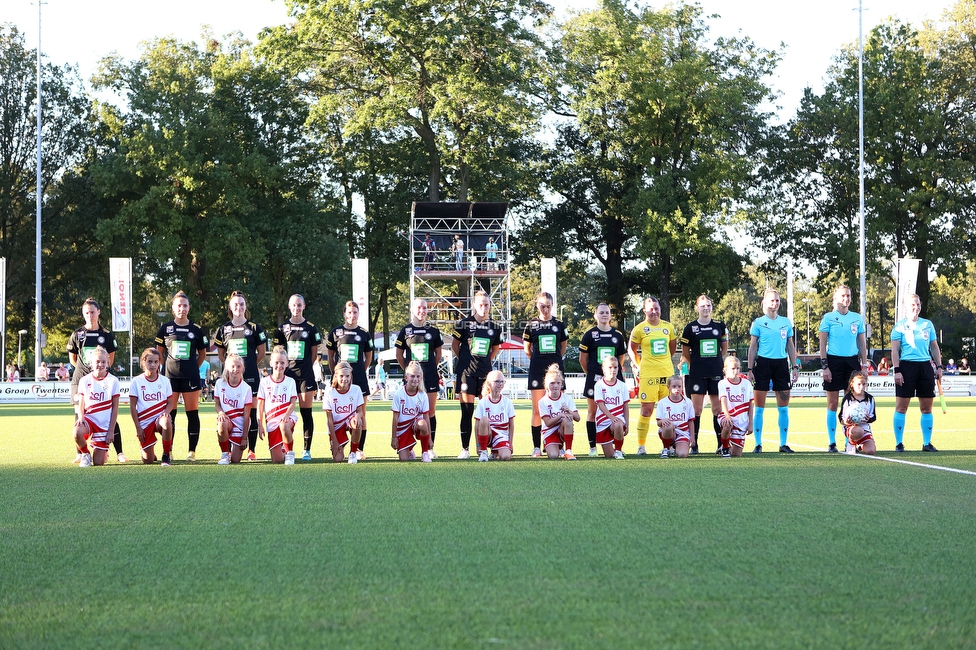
807,550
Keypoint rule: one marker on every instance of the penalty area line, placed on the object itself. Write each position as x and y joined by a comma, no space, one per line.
913,463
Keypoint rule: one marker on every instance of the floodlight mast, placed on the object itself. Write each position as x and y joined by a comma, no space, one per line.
38,198
860,128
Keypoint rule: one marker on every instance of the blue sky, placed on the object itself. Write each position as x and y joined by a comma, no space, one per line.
83,31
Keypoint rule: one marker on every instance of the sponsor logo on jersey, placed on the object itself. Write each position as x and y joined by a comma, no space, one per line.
190,336
304,334
101,339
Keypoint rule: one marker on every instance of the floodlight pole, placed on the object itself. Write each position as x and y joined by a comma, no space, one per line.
860,129
38,199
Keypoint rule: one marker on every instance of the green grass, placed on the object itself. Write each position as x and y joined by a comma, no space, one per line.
807,550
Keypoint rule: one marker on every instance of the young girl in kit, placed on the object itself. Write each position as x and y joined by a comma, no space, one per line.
856,413
232,399
98,406
675,420
277,396
736,396
612,418
494,419
151,399
558,412
345,409
411,415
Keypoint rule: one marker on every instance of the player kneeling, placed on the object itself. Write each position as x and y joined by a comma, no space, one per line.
612,418
736,396
151,400
675,420
856,413
277,395
411,415
345,409
232,399
558,412
98,406
494,419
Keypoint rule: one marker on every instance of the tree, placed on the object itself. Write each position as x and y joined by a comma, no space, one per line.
73,259
919,102
665,129
216,181
456,77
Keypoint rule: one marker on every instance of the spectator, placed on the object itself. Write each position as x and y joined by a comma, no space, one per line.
62,374
964,366
883,366
951,368
43,373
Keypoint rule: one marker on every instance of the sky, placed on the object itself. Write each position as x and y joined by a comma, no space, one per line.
83,31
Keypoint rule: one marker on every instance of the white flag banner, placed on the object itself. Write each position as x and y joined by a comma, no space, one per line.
907,279
548,279
120,276
360,289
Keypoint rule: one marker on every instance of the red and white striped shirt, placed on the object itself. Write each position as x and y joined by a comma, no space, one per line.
151,397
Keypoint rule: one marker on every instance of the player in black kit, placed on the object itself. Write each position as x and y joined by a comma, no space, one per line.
477,340
422,343
597,344
247,339
81,347
352,344
545,340
704,343
182,344
301,340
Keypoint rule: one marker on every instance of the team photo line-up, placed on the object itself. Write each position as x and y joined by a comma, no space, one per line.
250,406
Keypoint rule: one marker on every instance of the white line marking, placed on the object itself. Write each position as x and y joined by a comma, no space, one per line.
909,462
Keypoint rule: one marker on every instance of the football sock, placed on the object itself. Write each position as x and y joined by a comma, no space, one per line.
224,445
568,441
433,429
83,449
927,421
483,441
424,443
353,447
643,425
697,429
536,435
718,430
832,426
757,424
362,440
591,433
467,413
252,434
117,441
899,424
618,444
193,428
308,427
167,446
784,423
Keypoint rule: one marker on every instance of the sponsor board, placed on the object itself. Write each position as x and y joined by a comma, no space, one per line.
48,392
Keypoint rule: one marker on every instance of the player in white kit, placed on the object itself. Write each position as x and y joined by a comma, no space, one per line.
736,395
98,405
345,409
232,399
277,396
151,399
411,415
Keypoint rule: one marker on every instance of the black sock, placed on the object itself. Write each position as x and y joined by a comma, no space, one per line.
252,433
193,428
362,440
536,435
718,431
308,427
433,428
591,433
467,413
697,428
117,441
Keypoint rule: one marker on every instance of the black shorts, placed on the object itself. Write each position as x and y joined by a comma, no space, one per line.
701,385
470,383
590,383
918,379
254,383
432,381
363,386
305,381
841,369
185,385
775,370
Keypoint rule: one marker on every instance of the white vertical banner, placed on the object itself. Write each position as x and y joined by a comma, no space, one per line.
548,280
790,311
907,279
360,289
120,277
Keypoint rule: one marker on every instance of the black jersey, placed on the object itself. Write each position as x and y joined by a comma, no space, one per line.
182,344
477,340
351,346
705,343
420,344
599,345
244,340
82,344
544,338
301,342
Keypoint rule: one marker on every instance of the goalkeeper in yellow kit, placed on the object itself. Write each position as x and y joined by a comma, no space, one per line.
652,346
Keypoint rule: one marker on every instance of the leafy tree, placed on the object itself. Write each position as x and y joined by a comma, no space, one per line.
216,180
919,103
665,127
74,262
